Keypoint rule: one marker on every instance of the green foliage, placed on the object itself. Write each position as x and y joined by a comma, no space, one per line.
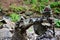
56,10
59,4
35,7
44,0
40,5
17,8
27,1
14,17
34,1
57,22
55,4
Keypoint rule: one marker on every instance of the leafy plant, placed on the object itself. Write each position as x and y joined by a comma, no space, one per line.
34,1
56,10
17,8
27,1
55,4
58,3
14,17
44,0
57,22
37,8
42,5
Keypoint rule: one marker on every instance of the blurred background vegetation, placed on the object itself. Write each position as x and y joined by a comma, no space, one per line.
28,8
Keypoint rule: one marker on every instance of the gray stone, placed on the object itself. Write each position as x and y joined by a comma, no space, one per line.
5,33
